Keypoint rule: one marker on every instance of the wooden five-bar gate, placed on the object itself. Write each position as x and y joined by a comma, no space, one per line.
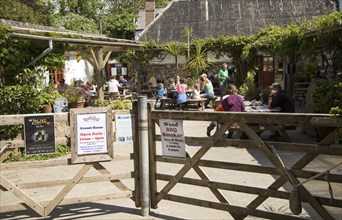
276,168
61,183
195,163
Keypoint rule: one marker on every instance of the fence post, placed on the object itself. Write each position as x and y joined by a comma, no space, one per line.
144,156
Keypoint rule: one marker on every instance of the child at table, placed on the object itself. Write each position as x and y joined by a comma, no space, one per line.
181,90
196,92
160,93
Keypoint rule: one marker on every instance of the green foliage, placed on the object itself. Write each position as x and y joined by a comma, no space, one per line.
248,88
23,96
198,60
75,22
100,103
48,95
175,49
116,104
120,25
325,96
18,11
61,150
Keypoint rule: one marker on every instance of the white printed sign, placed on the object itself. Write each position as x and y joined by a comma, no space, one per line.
172,137
91,133
124,128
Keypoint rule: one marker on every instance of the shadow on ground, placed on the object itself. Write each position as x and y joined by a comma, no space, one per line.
88,210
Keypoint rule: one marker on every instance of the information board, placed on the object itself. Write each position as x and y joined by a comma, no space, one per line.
39,134
124,128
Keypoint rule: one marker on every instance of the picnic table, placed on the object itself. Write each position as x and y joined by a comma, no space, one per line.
255,107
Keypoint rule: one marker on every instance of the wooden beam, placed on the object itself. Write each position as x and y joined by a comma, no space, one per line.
21,195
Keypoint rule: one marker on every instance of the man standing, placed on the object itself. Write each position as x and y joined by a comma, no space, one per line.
279,99
223,77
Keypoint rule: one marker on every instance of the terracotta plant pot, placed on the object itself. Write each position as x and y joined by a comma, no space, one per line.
47,108
77,104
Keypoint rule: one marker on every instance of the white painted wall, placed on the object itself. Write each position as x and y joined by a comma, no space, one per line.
77,70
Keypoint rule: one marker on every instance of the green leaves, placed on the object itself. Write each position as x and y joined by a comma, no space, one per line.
198,60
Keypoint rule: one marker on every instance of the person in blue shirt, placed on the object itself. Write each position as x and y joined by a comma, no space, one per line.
160,93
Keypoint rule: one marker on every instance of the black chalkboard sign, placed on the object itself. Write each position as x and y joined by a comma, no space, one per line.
39,134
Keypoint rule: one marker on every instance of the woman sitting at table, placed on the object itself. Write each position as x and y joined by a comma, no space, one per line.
208,89
181,90
232,103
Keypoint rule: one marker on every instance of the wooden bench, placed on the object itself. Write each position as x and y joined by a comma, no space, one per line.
164,101
199,103
237,132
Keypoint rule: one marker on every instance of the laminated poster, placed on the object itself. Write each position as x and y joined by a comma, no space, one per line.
172,137
39,132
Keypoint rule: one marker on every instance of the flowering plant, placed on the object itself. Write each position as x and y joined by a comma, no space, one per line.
73,95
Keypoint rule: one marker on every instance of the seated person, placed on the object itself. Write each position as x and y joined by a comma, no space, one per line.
83,89
113,87
123,81
153,81
171,90
232,103
62,86
208,89
196,92
181,90
160,93
279,99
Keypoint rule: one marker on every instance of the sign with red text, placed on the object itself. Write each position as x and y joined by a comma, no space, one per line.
91,133
172,137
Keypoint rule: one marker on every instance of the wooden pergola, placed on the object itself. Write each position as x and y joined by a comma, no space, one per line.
95,48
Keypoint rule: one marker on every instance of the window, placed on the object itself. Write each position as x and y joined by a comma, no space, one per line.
267,64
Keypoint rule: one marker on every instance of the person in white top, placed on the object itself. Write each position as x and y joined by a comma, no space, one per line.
113,86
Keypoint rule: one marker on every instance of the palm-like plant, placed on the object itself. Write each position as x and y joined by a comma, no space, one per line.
175,49
198,60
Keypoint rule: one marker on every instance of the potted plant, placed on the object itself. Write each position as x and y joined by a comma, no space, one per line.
47,98
75,97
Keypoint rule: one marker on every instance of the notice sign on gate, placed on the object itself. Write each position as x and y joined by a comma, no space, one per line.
172,137
91,134
39,133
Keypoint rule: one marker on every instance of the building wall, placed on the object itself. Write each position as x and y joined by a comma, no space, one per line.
77,70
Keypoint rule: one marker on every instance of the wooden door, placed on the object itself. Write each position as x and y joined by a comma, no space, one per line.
267,73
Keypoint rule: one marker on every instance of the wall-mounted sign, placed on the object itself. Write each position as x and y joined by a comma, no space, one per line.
124,128
91,134
39,135
172,137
